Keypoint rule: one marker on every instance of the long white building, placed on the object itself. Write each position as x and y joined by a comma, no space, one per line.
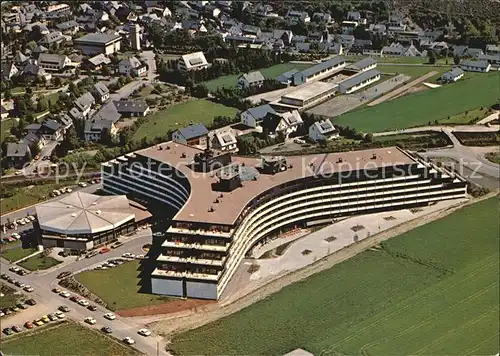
223,205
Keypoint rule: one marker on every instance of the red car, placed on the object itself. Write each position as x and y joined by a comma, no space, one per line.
29,325
74,298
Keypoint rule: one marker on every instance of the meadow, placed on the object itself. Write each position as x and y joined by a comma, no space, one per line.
230,81
431,291
65,339
181,115
428,106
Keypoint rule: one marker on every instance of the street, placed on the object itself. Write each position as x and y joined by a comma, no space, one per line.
48,301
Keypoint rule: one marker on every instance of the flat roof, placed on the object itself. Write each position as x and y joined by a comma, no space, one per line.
230,206
84,213
310,90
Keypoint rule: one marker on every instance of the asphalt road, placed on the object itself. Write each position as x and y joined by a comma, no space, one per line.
44,281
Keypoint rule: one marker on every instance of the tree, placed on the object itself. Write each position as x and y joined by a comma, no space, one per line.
432,57
7,94
57,82
368,137
456,59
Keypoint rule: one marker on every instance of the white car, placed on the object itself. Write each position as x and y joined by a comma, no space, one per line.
60,314
68,190
21,222
110,316
16,236
18,173
31,218
82,184
139,257
144,332
90,320
83,302
127,255
28,288
129,341
64,294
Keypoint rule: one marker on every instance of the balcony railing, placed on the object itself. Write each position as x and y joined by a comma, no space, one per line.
196,246
192,260
203,232
175,274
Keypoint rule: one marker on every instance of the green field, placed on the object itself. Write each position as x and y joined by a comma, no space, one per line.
464,118
431,291
424,107
413,71
39,262
270,72
9,298
119,287
29,195
6,125
15,254
65,339
181,115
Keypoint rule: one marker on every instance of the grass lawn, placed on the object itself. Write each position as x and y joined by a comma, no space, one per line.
181,115
39,262
413,71
15,254
119,287
424,107
65,339
270,72
6,126
9,298
29,195
469,117
493,157
431,291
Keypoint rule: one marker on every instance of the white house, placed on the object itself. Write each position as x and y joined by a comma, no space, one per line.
132,66
193,135
192,61
96,128
254,116
282,123
224,140
252,79
323,131
296,16
476,66
84,103
53,62
452,75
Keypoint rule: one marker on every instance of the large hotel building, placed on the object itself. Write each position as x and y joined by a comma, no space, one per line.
223,205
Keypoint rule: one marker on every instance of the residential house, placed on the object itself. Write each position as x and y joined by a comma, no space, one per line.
193,26
192,61
323,131
32,128
192,135
363,65
76,114
4,113
51,130
253,117
97,62
34,141
68,27
252,79
53,38
347,27
323,17
493,59
281,123
378,29
360,45
492,49
20,59
66,121
130,108
297,16
452,75
17,154
354,16
285,35
100,92
251,30
132,66
9,70
84,103
95,130
53,62
347,41
397,49
34,70
467,52
224,140
40,49
287,77
476,66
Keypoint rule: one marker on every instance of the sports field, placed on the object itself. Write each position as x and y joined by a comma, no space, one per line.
181,115
427,106
413,71
65,339
229,81
431,291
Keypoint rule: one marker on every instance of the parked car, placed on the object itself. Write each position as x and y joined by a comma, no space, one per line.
28,288
16,236
56,290
31,218
144,332
4,276
38,322
90,320
8,331
22,272
45,319
92,308
64,294
21,306
106,329
60,314
15,309
52,317
31,302
29,325
110,316
83,302
64,274
82,184
74,299
6,311
14,269
20,284
129,341
17,328
64,308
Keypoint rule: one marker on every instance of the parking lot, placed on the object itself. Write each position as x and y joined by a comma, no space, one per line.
344,103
